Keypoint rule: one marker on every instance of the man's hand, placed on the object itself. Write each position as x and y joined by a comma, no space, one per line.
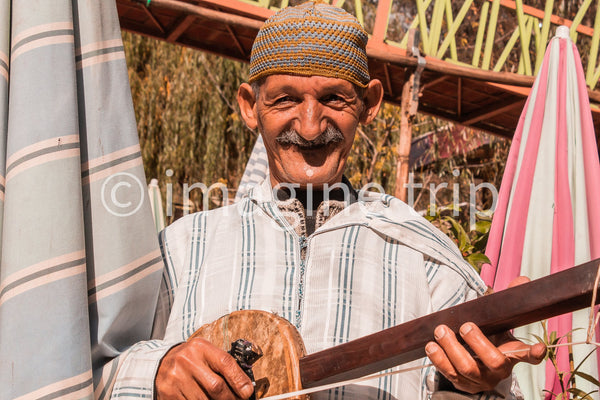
198,370
487,364
490,360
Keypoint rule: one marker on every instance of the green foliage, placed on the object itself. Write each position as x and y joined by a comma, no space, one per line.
567,379
187,116
470,242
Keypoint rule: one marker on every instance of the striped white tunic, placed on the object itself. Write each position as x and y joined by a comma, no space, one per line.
374,265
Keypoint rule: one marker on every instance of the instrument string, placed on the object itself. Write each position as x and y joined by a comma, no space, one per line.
344,383
594,318
391,373
593,322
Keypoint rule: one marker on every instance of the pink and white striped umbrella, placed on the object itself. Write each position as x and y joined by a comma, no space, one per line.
547,218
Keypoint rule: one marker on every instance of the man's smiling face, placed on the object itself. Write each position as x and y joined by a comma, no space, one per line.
308,125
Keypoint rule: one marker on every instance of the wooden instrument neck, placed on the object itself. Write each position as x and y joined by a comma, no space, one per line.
498,312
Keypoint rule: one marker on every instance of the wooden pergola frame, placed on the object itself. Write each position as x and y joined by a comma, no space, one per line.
480,98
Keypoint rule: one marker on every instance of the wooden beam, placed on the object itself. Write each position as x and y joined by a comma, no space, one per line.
482,126
180,27
387,53
434,82
410,104
390,54
504,310
154,20
491,111
445,114
236,6
236,41
404,143
555,19
449,98
207,13
459,98
381,20
388,82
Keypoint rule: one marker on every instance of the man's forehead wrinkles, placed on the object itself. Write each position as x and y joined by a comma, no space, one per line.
315,86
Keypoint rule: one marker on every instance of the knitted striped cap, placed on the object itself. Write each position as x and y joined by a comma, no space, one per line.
311,39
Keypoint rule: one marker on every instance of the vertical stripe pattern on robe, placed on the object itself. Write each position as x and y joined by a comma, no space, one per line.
375,264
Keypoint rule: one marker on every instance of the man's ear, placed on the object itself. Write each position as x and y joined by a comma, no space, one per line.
372,98
247,102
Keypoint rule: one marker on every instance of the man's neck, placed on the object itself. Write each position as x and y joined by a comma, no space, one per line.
311,199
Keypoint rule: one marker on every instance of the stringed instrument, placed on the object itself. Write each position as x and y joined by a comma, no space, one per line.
285,368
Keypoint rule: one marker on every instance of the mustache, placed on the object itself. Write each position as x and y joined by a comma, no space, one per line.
292,137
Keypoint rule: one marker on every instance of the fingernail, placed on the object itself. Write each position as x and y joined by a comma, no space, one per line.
430,348
439,332
247,390
466,328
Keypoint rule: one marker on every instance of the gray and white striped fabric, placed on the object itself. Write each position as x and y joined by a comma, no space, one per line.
80,266
256,170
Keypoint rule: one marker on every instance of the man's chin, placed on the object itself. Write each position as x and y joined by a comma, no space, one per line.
312,177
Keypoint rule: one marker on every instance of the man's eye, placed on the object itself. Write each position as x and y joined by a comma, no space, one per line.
331,98
284,99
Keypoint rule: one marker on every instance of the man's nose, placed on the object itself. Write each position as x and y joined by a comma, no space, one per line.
311,122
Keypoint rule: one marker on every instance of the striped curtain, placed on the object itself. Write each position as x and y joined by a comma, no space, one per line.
80,264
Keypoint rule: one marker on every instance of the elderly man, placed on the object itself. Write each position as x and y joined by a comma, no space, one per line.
336,263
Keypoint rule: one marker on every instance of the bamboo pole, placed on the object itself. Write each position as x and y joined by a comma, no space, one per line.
480,32
539,57
413,25
524,36
594,50
435,27
578,18
449,22
491,33
507,49
359,11
454,28
424,29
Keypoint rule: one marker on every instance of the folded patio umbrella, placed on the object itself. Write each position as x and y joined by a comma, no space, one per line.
80,265
547,217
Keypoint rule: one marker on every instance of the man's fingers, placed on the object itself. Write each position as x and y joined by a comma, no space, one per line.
443,365
458,355
225,365
518,351
440,360
198,370
453,361
519,280
212,385
484,365
494,363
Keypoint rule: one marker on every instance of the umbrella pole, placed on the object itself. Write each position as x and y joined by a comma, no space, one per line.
410,103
